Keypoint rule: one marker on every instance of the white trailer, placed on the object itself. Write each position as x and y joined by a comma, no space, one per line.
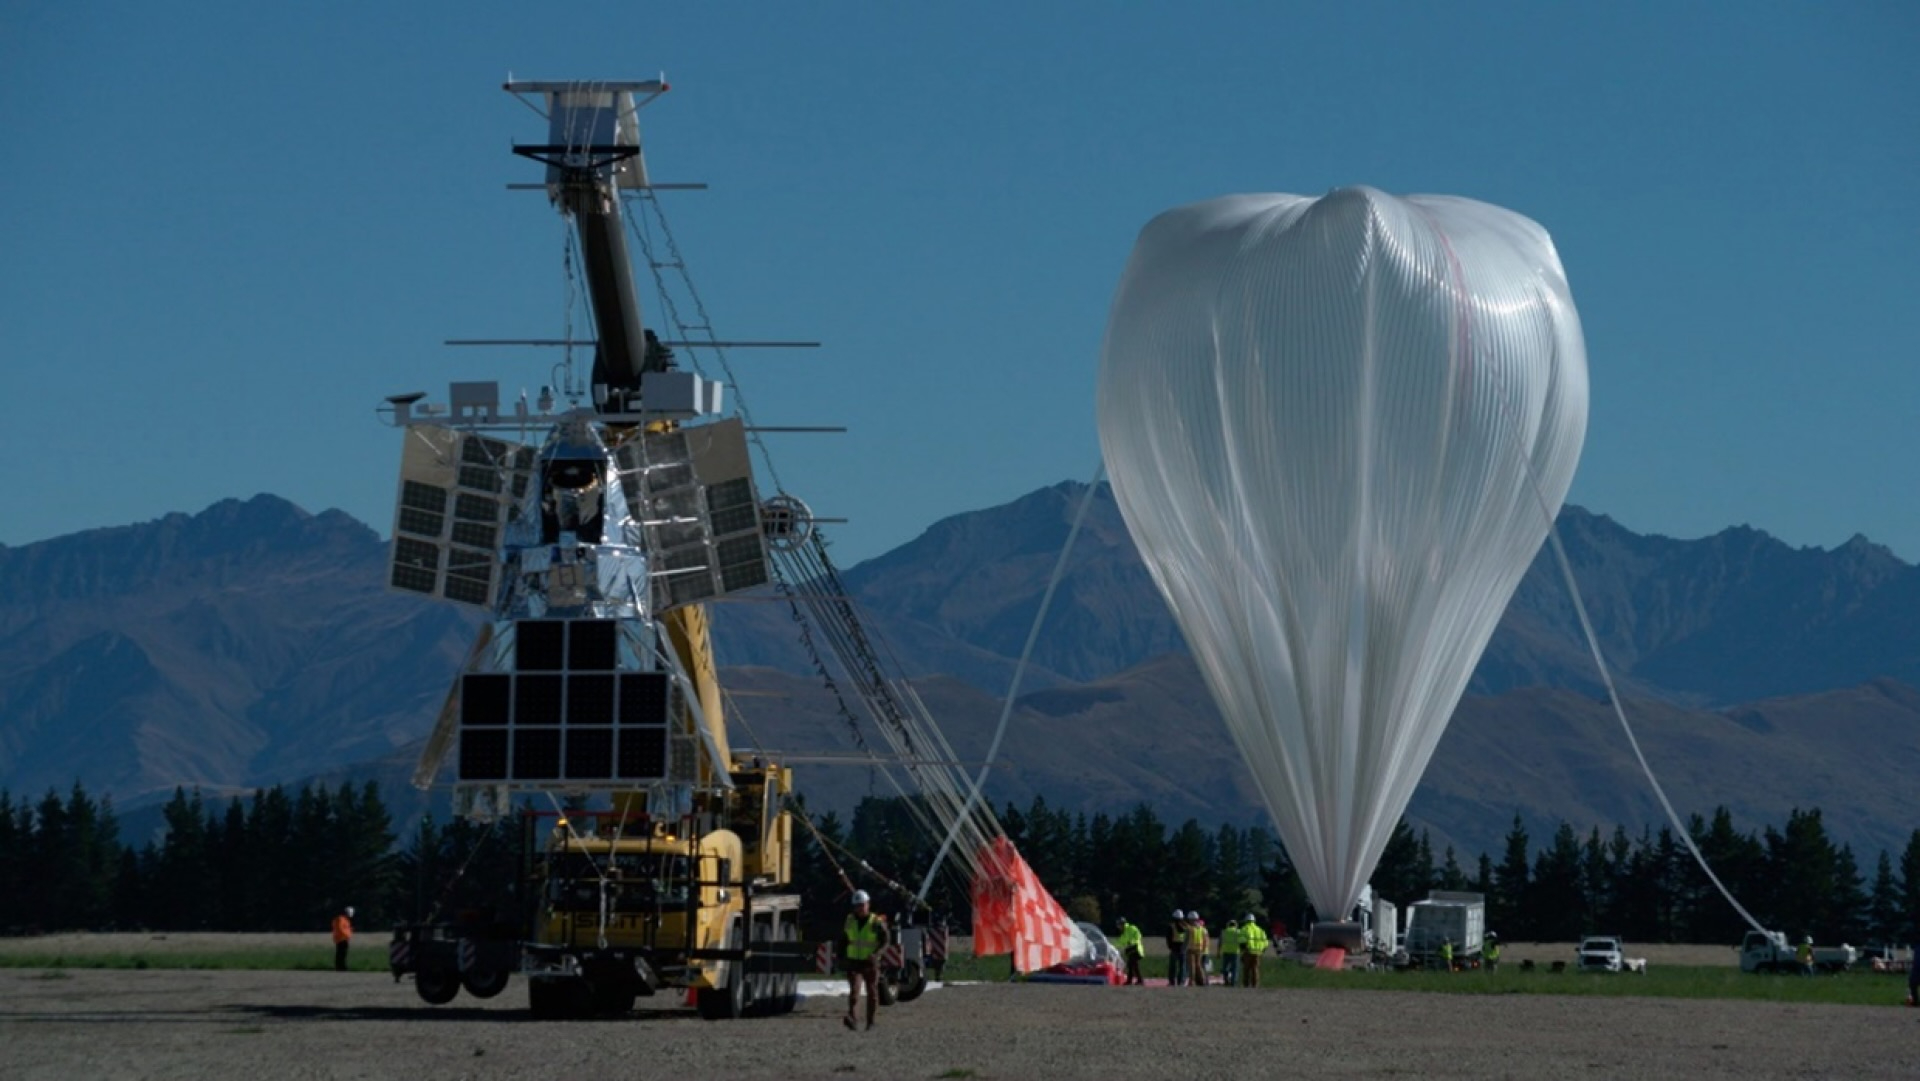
1446,916
1384,928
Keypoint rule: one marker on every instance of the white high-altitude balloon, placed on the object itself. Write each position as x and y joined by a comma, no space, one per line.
1338,430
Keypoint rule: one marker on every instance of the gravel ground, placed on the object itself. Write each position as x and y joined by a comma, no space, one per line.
215,1024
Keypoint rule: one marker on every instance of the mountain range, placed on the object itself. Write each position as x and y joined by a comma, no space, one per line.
254,643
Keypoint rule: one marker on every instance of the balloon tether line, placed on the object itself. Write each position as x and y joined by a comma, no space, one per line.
1613,698
1019,670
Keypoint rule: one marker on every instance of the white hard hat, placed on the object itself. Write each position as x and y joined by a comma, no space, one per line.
1809,940
860,897
349,910
1250,917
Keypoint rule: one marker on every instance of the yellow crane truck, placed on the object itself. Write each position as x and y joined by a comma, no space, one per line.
594,531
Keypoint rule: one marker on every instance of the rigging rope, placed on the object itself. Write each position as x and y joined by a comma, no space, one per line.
1026,653
1613,699
807,579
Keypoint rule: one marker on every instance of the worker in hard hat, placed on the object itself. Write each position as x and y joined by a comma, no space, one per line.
1804,955
1198,959
1492,953
861,941
1253,943
1446,954
1129,943
1177,949
342,937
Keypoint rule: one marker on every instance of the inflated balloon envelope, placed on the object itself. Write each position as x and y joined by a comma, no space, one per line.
1338,430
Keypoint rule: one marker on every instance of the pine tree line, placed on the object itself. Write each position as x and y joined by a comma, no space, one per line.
277,862
1646,888
286,862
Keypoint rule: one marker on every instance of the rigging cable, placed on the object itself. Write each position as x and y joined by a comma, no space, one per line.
1026,652
1613,699
813,585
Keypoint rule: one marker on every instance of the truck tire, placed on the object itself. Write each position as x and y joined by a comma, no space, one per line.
789,994
913,982
485,982
729,1003
436,986
763,984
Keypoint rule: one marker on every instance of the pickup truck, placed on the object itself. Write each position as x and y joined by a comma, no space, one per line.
1606,953
1769,951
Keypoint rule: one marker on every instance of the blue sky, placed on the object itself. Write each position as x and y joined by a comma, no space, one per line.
232,228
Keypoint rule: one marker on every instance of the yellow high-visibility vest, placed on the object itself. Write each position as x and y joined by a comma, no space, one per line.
863,940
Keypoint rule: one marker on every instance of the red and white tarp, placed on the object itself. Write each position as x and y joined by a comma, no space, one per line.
1013,913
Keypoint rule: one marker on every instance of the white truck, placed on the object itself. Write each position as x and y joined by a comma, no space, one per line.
1371,934
1446,916
1606,953
1769,951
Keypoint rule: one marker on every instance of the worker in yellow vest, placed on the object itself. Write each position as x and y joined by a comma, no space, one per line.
1177,949
1492,953
1446,955
1253,943
1197,956
861,941
1230,954
1129,944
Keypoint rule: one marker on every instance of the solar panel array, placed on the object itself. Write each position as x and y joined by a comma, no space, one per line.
566,714
693,489
457,491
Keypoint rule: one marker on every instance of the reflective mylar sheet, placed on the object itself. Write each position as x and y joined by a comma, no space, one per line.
1338,430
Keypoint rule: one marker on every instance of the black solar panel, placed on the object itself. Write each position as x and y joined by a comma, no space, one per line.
539,645
486,699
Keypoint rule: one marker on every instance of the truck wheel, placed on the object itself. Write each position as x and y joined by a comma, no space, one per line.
436,987
789,995
727,1003
485,982
731,1002
913,982
762,982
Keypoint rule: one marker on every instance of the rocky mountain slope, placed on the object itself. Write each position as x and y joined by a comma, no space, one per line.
253,643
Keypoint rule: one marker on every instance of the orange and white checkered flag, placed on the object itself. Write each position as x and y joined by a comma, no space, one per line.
1013,913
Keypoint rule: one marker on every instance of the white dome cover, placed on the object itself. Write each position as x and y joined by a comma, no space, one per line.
1338,430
